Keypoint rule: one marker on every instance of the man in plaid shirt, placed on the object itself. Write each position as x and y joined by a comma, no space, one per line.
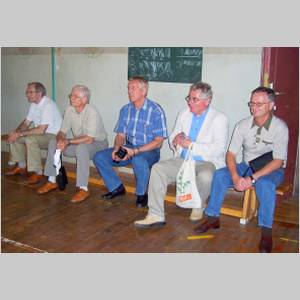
141,130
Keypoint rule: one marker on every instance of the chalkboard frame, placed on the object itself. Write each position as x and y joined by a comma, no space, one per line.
166,64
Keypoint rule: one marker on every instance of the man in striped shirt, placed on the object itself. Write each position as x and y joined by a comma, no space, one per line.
141,130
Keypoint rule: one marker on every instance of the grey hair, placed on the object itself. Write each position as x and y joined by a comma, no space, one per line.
142,81
40,88
261,89
85,90
204,87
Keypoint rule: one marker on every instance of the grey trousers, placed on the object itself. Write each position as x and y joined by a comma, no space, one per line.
83,154
32,145
164,173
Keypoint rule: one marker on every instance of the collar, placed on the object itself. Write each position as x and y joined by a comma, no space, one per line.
266,125
43,100
202,115
144,107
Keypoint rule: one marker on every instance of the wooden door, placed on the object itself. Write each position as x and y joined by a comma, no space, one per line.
280,71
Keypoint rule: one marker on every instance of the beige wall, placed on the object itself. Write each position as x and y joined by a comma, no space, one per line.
232,72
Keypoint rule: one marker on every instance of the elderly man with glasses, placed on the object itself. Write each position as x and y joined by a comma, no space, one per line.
89,136
26,141
256,135
205,130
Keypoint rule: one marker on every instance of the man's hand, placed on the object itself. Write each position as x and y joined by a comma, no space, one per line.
114,156
62,144
13,136
241,184
182,140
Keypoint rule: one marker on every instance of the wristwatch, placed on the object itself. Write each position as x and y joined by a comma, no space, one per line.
253,180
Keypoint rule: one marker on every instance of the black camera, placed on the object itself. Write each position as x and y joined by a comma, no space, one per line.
121,153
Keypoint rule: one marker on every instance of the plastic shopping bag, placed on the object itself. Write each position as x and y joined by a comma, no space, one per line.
187,195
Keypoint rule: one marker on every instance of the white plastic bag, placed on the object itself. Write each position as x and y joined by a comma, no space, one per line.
187,195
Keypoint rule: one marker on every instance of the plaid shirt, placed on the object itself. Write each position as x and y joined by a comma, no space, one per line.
141,126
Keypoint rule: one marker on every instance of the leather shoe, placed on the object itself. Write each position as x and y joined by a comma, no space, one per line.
16,171
34,178
205,226
141,200
81,195
120,190
46,188
266,244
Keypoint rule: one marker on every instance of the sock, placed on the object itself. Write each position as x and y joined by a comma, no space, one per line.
211,219
22,164
84,188
39,172
266,232
52,179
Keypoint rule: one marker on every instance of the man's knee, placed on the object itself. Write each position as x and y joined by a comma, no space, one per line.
30,139
101,156
265,183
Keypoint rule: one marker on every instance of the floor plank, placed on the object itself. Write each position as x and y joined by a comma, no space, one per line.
51,223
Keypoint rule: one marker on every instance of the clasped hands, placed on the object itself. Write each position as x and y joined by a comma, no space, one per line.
182,140
241,183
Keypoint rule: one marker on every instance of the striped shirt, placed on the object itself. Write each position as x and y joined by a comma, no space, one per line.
141,126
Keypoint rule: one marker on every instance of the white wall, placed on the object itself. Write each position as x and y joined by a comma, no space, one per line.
232,72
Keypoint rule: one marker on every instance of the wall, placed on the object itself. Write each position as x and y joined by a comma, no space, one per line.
232,72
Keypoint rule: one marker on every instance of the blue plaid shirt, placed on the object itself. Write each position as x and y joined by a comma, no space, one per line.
141,126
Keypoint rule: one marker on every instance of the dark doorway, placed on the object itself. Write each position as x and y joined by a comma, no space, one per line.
280,71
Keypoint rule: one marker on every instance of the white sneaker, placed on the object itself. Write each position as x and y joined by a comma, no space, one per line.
149,221
197,214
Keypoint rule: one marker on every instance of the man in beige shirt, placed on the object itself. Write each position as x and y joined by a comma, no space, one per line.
89,136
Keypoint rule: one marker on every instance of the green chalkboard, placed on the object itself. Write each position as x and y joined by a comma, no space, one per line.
169,64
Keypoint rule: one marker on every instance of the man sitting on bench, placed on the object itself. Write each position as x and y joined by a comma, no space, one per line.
256,135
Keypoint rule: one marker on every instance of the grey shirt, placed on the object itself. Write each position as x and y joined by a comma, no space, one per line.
256,141
88,122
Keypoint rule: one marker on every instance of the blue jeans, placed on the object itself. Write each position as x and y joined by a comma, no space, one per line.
265,191
141,164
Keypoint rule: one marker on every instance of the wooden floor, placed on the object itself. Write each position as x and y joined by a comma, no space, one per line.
51,223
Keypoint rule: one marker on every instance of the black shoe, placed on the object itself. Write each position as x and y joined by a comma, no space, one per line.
206,225
141,200
120,190
266,244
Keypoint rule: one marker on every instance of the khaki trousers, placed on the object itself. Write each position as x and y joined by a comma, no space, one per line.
164,173
30,145
83,153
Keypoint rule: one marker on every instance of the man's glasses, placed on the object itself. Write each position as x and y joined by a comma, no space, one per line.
193,100
258,104
31,92
74,97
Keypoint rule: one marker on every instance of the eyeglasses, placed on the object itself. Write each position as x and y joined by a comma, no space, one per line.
258,104
188,99
30,92
73,96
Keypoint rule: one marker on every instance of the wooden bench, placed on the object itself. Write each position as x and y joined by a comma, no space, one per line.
250,202
245,213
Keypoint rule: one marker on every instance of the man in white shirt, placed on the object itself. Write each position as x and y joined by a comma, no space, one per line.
26,141
205,130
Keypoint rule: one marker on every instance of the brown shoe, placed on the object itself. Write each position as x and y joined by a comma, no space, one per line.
81,195
16,171
34,178
47,187
205,226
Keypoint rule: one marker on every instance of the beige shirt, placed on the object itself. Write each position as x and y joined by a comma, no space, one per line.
256,141
88,122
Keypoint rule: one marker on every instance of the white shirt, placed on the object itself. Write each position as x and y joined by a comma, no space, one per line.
45,113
